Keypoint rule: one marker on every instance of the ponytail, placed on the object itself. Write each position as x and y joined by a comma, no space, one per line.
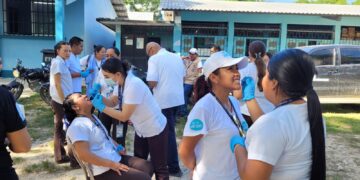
318,167
201,88
257,51
261,70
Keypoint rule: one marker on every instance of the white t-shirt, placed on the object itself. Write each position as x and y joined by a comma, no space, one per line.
147,118
265,105
167,69
282,138
83,129
214,159
73,63
58,66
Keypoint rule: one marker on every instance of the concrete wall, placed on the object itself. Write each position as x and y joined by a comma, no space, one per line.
74,20
26,48
94,32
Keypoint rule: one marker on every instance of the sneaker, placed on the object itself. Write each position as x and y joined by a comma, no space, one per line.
178,173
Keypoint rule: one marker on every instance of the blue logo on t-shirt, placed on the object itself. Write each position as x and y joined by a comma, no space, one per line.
196,125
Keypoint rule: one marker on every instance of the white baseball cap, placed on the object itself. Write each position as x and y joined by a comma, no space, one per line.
193,51
222,59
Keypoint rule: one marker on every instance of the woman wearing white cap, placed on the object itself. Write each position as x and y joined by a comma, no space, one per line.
215,118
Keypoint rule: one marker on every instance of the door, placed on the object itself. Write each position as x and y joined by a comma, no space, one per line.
133,50
349,71
326,81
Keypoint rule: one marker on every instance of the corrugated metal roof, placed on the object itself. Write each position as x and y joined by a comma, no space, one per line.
260,7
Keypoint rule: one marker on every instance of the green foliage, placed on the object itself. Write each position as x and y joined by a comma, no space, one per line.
46,166
322,1
357,2
342,118
143,5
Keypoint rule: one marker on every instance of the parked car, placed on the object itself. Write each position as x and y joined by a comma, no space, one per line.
338,78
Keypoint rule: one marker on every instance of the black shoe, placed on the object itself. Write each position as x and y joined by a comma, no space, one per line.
74,165
178,173
64,159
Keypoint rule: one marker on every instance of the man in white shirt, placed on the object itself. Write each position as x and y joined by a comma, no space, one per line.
73,63
165,77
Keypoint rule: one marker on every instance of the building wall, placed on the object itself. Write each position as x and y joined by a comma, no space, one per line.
26,48
94,32
74,20
283,20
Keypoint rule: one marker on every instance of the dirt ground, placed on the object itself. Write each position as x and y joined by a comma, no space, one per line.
343,161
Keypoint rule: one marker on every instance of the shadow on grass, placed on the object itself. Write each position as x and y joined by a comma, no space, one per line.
46,166
39,117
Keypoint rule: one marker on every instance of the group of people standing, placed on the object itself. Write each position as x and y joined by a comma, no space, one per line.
120,96
249,120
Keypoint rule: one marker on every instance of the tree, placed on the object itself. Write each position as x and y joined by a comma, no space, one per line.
322,1
143,5
357,2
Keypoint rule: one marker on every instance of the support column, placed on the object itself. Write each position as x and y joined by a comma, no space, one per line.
59,20
177,35
337,34
283,36
230,42
118,37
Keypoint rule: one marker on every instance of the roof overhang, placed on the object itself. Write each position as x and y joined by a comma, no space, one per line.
111,23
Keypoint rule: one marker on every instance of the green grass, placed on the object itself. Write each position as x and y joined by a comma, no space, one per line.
18,160
46,166
342,118
180,126
39,117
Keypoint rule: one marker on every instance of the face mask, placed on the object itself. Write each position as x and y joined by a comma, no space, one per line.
109,82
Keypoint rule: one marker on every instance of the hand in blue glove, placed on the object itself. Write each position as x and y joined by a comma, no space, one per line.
98,103
95,90
236,140
85,73
248,88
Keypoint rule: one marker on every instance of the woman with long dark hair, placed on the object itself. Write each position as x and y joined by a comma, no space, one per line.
93,65
288,142
93,144
214,119
137,104
256,70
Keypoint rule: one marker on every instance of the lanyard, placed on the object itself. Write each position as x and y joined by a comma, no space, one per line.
287,101
98,124
235,119
120,94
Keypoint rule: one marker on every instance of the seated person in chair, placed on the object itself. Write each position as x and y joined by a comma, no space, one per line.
93,144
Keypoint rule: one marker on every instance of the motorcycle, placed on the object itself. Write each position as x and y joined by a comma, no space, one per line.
37,80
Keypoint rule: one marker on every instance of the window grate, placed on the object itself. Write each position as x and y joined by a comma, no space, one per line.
204,28
29,17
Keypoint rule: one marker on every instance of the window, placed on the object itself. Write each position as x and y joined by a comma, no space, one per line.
29,17
350,33
257,30
350,55
204,28
324,57
310,32
203,42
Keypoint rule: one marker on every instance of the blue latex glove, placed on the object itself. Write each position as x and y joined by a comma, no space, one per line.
98,103
236,140
85,73
248,88
95,90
